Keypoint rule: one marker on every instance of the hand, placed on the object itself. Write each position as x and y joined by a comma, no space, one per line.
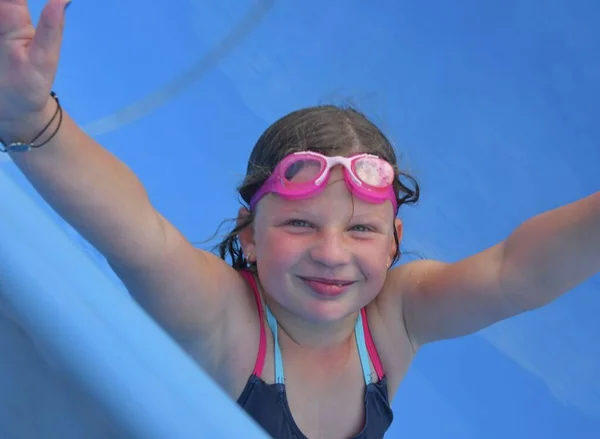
28,59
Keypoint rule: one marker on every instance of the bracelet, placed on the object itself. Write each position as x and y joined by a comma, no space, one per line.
23,147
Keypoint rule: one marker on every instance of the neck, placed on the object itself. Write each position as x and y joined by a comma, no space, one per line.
325,337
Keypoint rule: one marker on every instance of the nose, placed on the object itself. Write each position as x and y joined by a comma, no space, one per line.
330,249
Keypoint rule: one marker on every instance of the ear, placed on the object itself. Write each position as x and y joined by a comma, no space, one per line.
399,232
246,235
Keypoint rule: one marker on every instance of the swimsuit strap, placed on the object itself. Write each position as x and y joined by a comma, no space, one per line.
371,346
279,375
262,345
363,352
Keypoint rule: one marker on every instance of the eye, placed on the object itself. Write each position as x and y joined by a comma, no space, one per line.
361,228
298,223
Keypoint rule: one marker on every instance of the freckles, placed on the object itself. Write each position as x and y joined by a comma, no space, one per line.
278,251
375,265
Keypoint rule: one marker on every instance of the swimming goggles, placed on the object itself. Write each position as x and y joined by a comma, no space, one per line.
305,174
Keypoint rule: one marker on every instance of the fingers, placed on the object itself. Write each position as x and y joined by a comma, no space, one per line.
15,2
15,21
45,46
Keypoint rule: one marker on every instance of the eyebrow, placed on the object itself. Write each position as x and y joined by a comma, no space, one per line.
371,213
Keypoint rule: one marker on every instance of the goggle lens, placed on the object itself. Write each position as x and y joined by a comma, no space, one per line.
374,172
302,171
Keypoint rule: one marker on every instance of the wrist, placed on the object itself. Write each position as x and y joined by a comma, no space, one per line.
27,127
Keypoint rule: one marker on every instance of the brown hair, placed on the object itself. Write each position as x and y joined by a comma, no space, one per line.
327,129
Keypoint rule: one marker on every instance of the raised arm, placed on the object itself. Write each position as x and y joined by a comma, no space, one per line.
185,289
542,259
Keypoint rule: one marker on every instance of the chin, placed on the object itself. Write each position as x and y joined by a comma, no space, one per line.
331,310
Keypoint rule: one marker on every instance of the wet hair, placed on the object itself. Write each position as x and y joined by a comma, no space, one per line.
329,130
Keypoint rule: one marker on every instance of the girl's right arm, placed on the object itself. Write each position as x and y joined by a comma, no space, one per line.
188,291
184,288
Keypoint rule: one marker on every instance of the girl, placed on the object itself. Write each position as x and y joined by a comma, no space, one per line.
309,330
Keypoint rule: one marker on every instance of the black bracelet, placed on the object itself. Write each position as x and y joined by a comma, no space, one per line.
23,147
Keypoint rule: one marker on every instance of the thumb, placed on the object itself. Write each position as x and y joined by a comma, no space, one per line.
45,46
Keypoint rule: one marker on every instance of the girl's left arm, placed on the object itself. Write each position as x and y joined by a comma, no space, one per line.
542,259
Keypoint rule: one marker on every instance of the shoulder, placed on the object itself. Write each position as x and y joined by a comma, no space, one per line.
387,322
229,353
406,280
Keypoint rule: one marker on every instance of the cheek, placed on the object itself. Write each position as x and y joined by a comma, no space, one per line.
278,252
374,261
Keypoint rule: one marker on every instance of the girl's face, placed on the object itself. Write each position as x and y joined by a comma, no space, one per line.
325,257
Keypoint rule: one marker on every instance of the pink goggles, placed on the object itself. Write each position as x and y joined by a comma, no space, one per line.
305,174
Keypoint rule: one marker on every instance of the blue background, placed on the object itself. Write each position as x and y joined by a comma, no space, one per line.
492,105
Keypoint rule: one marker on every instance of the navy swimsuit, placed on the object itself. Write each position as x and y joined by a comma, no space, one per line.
267,403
